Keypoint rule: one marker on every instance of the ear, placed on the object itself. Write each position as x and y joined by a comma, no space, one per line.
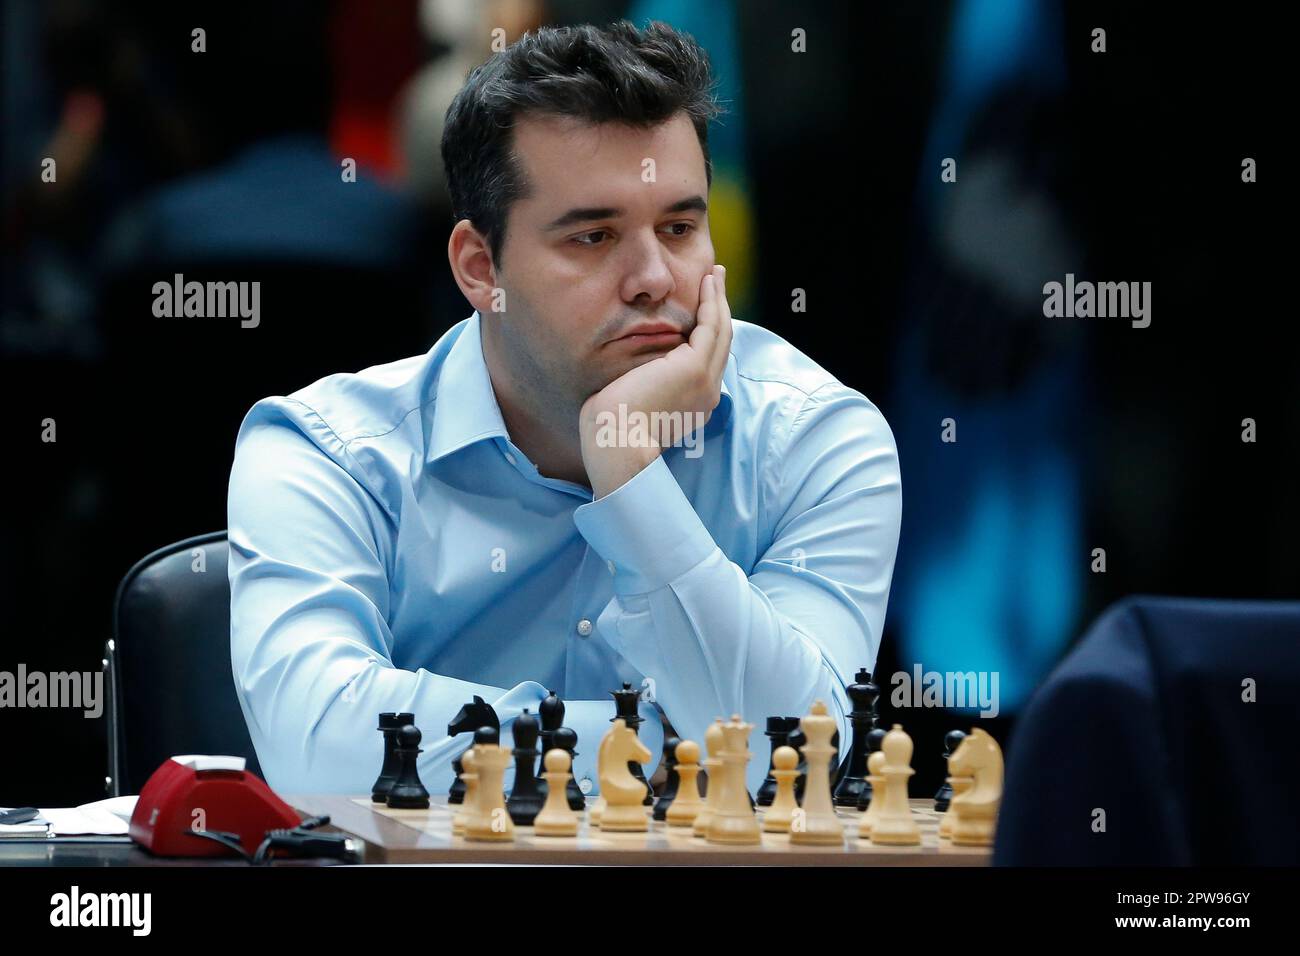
470,258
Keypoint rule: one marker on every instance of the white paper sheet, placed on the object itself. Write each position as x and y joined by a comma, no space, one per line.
103,817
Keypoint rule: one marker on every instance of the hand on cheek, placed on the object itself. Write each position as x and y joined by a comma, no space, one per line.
627,423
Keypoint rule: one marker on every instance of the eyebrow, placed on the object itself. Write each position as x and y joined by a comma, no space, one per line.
590,213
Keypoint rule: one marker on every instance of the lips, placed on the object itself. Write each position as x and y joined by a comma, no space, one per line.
653,335
651,329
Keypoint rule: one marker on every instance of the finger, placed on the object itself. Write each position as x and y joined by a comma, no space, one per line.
705,334
722,347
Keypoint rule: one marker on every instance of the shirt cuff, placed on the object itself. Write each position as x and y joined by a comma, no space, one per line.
647,529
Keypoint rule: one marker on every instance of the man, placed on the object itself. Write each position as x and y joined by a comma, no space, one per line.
595,478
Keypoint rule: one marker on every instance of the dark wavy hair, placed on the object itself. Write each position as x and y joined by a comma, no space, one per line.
614,73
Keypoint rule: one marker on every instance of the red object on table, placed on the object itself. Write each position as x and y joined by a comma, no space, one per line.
200,792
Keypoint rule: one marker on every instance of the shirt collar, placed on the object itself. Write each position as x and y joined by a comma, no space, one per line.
466,409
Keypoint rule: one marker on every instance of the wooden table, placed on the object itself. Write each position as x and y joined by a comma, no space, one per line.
424,836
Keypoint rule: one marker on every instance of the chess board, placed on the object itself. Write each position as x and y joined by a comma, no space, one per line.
424,836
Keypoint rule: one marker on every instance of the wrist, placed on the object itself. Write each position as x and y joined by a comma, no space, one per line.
611,454
609,468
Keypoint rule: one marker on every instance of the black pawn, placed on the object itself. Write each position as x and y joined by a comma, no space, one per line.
525,798
408,792
778,732
864,695
625,706
875,737
951,741
457,792
670,788
551,710
566,739
389,724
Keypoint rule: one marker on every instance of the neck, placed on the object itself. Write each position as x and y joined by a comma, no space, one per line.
540,423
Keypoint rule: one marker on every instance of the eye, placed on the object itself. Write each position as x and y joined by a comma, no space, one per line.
596,232
690,227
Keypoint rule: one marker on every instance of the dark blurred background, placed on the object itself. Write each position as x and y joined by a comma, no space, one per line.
1072,434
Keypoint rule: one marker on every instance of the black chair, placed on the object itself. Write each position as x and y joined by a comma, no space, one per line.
171,689
1165,738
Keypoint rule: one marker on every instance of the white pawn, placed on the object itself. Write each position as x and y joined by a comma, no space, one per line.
875,776
687,804
894,825
470,804
713,742
785,770
555,818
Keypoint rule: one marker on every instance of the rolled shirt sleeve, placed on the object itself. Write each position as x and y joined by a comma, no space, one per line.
718,639
311,649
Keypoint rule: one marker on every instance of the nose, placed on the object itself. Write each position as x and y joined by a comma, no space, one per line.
648,274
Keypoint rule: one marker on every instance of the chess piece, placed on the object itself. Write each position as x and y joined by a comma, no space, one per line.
874,738
525,797
551,713
389,725
785,763
894,824
470,803
477,713
734,821
817,824
778,733
837,768
944,794
713,743
556,817
959,785
975,809
875,770
490,821
407,792
456,793
686,803
597,812
622,792
797,741
670,785
865,696
567,740
625,708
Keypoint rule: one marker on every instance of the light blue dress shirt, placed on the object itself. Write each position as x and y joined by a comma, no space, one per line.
391,549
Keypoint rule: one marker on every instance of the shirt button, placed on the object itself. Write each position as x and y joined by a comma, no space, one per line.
585,785
584,627
510,458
